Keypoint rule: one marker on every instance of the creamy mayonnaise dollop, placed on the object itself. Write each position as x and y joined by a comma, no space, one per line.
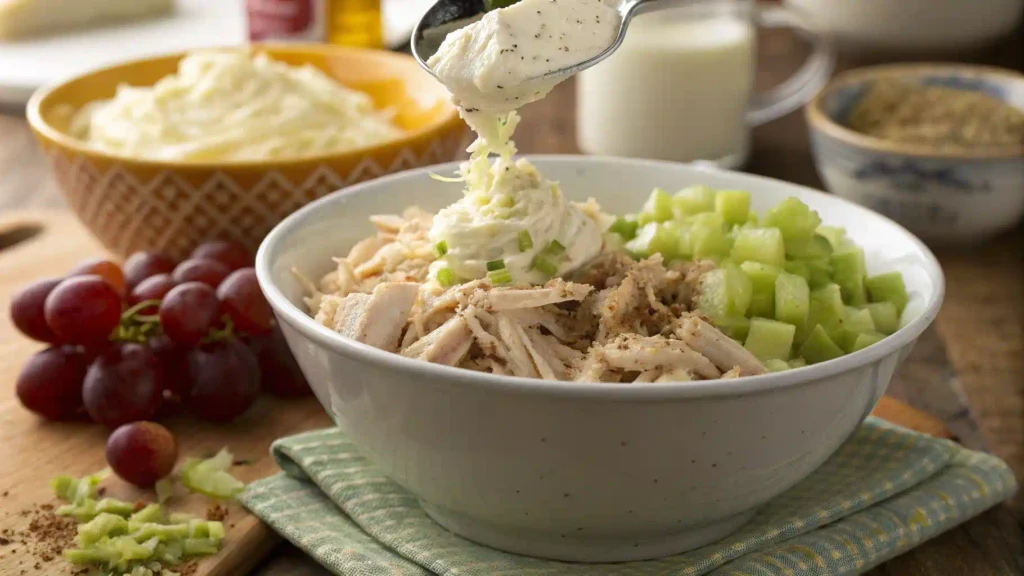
510,215
226,105
510,57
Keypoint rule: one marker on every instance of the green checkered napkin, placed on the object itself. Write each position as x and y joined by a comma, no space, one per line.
886,490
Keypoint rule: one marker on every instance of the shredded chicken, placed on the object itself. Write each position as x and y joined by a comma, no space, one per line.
614,320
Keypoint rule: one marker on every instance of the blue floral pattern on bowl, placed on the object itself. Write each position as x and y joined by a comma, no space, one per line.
941,197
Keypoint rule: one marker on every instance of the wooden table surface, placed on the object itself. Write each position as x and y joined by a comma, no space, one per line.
973,357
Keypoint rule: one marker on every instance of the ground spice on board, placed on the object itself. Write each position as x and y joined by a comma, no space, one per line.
217,512
45,536
936,116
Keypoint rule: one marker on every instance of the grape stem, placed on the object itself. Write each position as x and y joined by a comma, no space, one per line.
222,334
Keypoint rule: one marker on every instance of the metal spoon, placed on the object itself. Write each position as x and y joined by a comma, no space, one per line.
447,16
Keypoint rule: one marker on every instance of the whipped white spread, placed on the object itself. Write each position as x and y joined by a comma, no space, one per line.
226,105
510,213
510,216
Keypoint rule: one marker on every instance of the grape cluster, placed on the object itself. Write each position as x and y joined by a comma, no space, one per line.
146,340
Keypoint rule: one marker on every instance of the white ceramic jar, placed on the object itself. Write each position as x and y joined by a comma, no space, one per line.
681,85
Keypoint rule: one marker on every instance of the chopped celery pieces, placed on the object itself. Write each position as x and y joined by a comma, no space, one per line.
762,245
792,299
694,200
770,339
786,286
762,280
776,365
833,234
733,206
867,339
658,208
796,221
735,327
888,287
725,291
814,248
624,227
708,238
818,347
210,477
655,238
848,271
885,316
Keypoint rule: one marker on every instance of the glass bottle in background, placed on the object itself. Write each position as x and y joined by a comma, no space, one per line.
355,23
344,22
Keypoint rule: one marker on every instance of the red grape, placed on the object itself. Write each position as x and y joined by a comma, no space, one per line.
279,372
231,254
174,359
142,265
142,453
50,383
244,302
152,288
83,310
209,272
28,313
124,384
225,380
104,269
188,312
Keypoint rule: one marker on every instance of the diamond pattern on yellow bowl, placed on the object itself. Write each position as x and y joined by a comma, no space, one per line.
172,214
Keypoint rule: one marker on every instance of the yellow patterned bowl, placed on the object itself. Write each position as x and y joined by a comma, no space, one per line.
137,204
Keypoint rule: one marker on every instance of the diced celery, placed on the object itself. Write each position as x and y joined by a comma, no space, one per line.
658,208
858,320
623,226
164,490
725,291
819,272
776,365
199,546
849,271
833,234
162,532
708,238
694,200
682,230
762,280
90,556
816,246
828,304
867,339
102,526
885,316
798,268
770,339
888,287
818,347
797,363
149,513
210,477
733,205
215,530
791,299
794,218
735,327
762,245
655,238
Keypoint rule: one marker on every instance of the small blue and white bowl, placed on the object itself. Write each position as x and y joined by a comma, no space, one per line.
942,196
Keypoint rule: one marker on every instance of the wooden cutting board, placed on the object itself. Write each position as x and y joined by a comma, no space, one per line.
39,244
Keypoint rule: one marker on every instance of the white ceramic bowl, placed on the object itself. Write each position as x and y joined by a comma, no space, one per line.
945,197
586,472
910,25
